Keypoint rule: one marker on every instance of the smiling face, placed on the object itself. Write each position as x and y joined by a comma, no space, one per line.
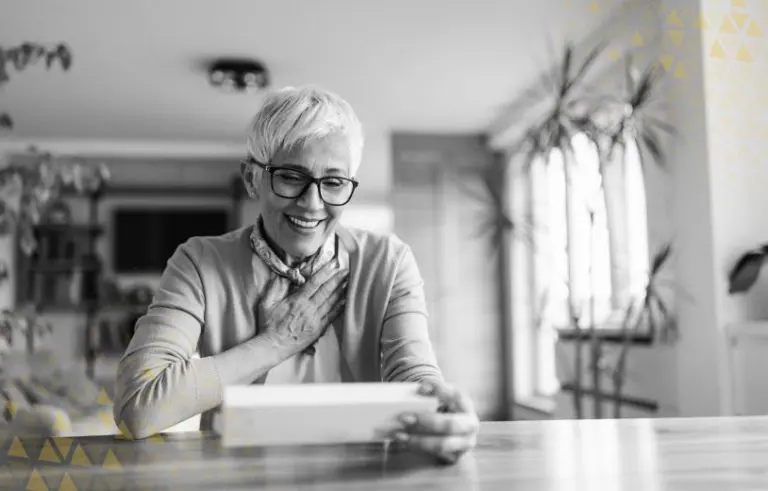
299,227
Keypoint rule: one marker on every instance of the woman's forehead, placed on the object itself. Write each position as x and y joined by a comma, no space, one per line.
330,154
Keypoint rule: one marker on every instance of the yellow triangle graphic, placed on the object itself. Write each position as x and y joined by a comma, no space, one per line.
17,449
125,434
743,55
106,418
666,61
738,3
36,482
680,71
754,30
677,37
80,459
48,454
727,26
614,54
111,460
61,423
67,484
717,50
637,39
156,438
63,444
12,406
594,7
701,22
104,398
740,18
674,19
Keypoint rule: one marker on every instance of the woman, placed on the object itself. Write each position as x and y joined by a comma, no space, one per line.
295,298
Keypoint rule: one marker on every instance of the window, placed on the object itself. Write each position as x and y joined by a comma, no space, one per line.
589,248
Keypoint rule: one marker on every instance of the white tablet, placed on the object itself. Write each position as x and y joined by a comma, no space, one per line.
307,414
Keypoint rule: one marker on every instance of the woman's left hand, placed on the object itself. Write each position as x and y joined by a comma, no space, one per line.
447,434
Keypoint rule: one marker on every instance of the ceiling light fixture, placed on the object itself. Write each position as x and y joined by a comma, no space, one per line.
238,75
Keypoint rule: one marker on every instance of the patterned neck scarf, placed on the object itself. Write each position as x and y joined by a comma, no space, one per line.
290,278
298,274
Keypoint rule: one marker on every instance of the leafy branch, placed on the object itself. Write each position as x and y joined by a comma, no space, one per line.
20,57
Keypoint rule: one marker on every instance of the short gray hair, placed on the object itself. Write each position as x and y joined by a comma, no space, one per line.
291,116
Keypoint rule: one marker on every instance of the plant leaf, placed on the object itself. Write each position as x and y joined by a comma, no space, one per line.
655,122
65,56
746,271
5,121
660,259
652,144
586,65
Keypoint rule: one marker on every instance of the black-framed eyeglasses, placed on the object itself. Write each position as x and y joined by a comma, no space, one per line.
292,183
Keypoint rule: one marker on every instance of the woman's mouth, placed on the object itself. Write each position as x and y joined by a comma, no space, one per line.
303,223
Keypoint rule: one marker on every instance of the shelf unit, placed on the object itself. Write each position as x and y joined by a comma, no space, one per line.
65,274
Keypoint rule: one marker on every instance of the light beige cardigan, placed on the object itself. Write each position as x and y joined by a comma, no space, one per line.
205,304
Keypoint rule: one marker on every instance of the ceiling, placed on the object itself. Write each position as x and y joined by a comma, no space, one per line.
426,65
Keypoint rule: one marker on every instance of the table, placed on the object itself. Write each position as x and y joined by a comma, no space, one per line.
633,454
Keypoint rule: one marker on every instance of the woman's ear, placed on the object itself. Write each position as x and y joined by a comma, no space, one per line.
251,179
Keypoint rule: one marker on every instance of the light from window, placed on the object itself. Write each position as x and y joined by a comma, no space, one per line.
578,260
637,219
585,265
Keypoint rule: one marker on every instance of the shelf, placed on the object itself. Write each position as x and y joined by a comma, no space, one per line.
69,229
63,266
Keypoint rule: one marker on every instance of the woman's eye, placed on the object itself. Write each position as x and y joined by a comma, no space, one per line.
334,183
293,177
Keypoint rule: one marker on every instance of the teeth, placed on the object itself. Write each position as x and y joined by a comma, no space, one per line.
300,222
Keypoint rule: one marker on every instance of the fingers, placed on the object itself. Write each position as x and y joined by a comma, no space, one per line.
451,399
442,424
336,309
330,271
447,450
334,287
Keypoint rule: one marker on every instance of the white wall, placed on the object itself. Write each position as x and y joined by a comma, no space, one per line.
720,177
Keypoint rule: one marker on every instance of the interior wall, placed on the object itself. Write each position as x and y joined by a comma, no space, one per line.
440,222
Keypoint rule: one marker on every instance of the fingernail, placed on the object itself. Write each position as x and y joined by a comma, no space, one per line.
408,419
401,436
426,389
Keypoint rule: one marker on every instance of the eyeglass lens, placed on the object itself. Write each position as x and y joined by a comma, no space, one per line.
292,184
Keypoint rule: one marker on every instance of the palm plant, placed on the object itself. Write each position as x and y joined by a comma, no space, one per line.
633,119
611,123
649,310
555,133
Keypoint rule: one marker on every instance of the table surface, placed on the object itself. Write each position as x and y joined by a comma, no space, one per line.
634,454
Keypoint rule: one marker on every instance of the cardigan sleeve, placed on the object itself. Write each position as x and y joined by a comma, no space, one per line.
407,354
159,382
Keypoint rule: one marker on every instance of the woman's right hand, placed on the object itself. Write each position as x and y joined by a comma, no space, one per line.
298,320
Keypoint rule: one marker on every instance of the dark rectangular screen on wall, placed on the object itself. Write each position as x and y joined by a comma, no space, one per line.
144,239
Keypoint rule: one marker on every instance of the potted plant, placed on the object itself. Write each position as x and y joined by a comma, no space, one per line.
28,183
746,271
611,122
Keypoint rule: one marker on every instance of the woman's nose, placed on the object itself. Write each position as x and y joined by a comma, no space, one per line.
311,198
